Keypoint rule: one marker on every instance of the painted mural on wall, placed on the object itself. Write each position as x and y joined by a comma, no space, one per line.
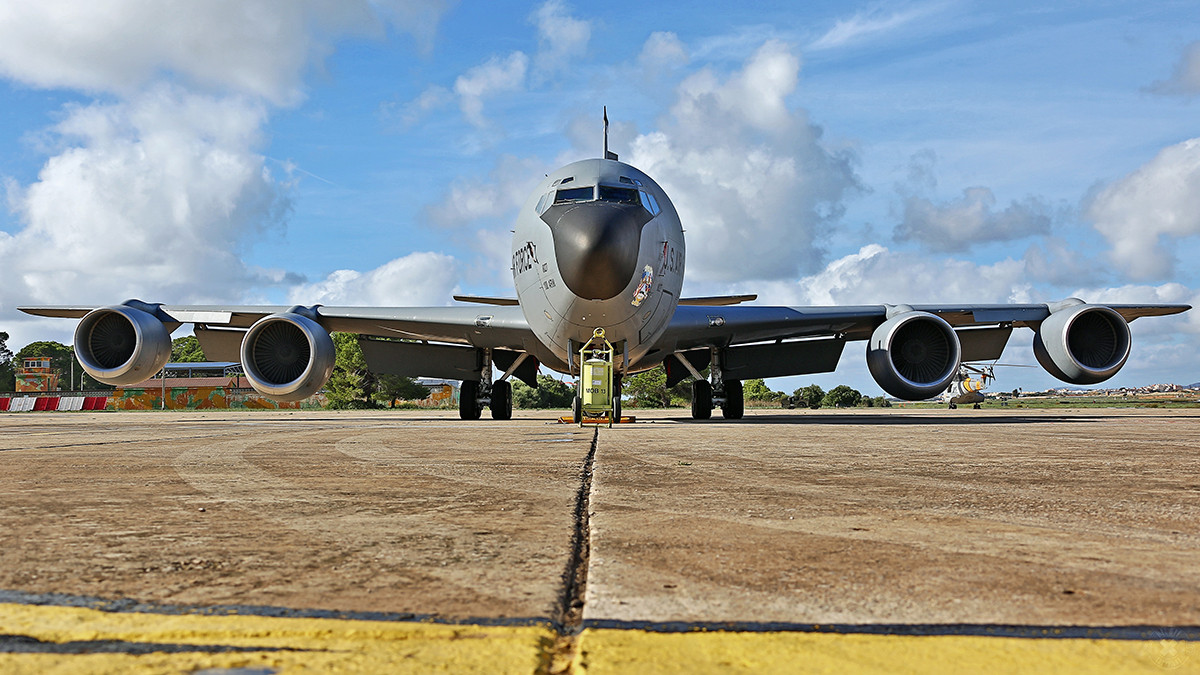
203,398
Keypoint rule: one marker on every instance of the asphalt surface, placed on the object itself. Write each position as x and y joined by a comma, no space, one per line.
891,540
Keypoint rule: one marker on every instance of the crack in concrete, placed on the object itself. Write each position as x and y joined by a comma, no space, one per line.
561,653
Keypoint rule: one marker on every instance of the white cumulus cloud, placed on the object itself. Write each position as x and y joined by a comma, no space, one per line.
251,47
1143,212
495,76
662,52
957,225
155,195
876,275
561,37
755,187
417,279
156,189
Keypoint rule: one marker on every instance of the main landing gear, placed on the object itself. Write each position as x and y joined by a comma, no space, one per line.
725,394
475,395
728,399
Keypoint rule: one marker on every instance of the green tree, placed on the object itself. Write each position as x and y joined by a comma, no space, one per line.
8,380
550,393
394,388
757,390
882,402
186,349
810,396
842,396
352,385
648,389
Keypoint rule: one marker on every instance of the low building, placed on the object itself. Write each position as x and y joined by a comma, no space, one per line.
35,374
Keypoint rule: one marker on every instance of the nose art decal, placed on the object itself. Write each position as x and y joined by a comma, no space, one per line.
643,288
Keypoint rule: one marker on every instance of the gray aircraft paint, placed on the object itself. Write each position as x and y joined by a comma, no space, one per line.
543,275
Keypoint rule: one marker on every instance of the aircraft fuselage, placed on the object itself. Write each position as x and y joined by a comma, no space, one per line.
598,245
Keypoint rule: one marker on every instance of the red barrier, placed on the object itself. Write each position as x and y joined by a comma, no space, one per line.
95,402
4,403
40,404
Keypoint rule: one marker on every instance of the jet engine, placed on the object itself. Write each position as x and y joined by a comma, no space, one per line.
287,356
122,344
913,355
1082,344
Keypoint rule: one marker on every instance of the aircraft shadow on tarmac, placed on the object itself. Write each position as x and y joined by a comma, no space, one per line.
907,420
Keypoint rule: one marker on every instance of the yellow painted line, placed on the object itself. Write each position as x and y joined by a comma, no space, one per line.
634,651
288,645
98,642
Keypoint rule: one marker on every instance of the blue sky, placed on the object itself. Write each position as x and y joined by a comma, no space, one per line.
376,152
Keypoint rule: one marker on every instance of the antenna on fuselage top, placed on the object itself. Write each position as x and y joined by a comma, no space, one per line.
607,154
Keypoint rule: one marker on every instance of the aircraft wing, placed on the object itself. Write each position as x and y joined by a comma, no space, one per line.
694,326
778,341
441,341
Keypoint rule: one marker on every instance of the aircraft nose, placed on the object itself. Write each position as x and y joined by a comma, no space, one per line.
596,245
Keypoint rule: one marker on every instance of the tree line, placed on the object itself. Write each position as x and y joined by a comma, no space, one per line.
354,386
649,390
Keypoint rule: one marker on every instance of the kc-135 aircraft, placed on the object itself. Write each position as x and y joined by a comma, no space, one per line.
599,245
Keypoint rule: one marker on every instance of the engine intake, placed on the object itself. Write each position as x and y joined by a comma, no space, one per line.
122,345
1083,344
287,356
914,355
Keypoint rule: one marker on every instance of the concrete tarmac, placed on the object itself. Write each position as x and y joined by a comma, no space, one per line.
891,540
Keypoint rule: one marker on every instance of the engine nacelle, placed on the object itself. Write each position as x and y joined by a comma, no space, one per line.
914,355
287,356
1083,344
122,345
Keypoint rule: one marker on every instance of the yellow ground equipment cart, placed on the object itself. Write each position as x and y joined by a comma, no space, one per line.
596,380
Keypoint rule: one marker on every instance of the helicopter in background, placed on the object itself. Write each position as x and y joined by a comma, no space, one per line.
968,384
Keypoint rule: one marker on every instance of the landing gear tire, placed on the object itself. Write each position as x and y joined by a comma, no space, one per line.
701,400
576,410
468,400
501,400
953,406
735,405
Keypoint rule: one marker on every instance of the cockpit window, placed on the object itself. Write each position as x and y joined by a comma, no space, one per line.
609,193
650,203
579,194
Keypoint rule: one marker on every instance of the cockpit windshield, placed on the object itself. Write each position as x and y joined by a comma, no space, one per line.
579,194
605,193
609,193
